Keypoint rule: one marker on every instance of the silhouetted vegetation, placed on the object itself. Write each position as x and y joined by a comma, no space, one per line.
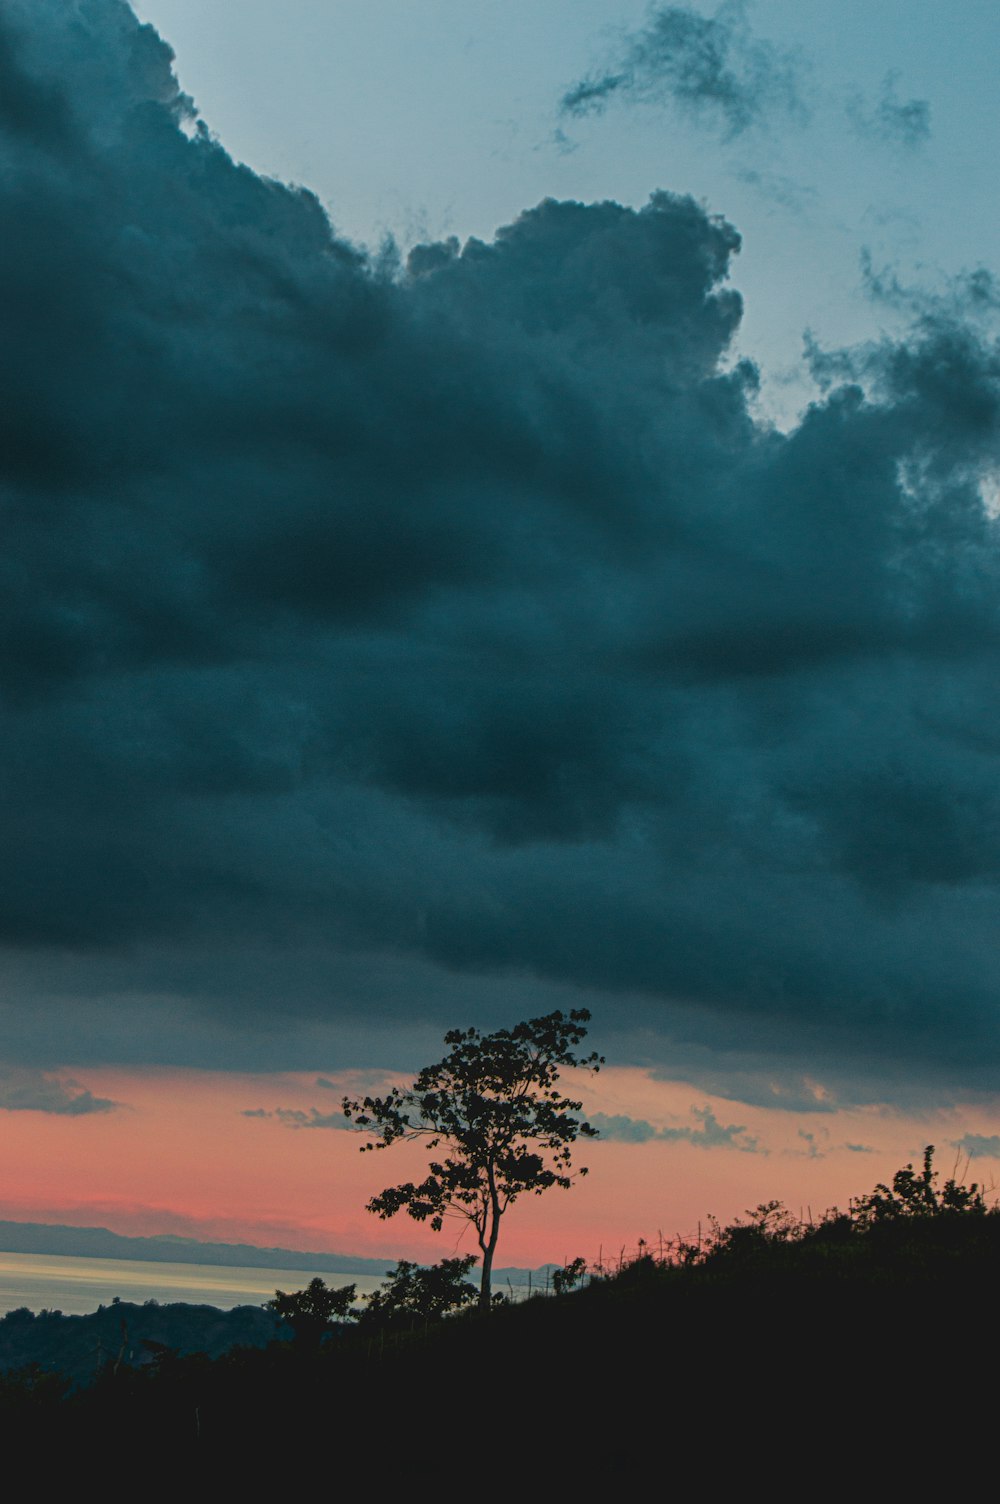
312,1313
569,1276
916,1194
413,1295
127,1335
505,1130
769,1342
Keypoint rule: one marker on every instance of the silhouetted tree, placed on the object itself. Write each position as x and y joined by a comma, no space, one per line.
313,1311
427,1294
491,1104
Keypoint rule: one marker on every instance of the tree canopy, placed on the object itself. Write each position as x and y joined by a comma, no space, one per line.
492,1107
413,1293
312,1312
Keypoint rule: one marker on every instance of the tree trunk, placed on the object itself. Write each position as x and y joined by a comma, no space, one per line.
485,1289
489,1248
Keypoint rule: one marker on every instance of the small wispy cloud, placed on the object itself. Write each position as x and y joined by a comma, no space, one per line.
966,295
26,1090
622,1129
296,1117
710,68
708,1134
897,122
778,189
313,1117
979,1146
817,1144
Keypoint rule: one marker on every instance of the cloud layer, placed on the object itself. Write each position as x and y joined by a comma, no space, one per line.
460,612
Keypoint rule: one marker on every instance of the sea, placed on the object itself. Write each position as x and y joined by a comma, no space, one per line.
77,1286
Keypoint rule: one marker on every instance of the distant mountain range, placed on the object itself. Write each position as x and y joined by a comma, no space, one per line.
101,1243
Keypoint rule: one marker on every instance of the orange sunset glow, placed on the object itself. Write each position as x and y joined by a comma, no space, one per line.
179,1155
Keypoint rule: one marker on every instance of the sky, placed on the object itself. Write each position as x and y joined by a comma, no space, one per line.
501,515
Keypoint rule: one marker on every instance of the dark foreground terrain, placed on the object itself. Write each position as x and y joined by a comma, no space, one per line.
78,1349
847,1358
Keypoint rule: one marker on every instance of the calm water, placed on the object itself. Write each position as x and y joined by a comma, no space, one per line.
77,1285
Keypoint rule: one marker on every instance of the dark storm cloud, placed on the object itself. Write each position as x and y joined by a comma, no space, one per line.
30,109
710,68
461,616
895,121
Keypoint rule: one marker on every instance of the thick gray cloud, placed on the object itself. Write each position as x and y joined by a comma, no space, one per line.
710,68
459,615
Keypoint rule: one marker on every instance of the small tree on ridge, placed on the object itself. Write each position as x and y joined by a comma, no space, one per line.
492,1107
312,1312
411,1293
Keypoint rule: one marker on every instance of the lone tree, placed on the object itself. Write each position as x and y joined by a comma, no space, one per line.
492,1107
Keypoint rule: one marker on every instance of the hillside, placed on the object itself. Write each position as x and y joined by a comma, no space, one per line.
772,1346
